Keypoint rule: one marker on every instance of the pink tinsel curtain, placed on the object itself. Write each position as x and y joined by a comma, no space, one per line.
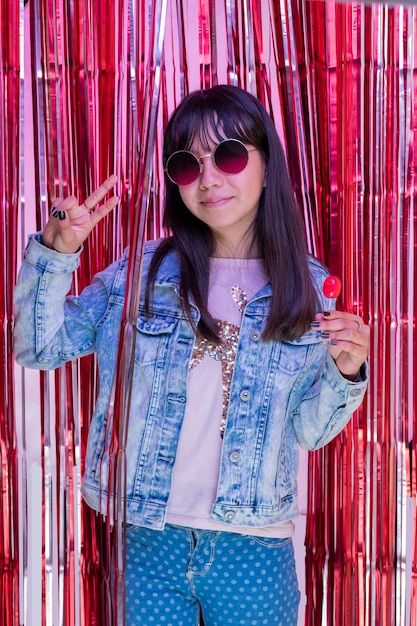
340,80
9,206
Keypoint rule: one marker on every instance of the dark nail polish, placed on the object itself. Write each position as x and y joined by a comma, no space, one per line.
325,335
326,313
61,215
334,343
315,324
54,213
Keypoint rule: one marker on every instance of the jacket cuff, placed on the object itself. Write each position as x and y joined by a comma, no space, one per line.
48,259
353,391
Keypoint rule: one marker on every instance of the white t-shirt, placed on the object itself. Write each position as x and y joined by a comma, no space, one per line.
196,472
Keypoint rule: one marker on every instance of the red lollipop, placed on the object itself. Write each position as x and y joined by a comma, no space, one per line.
332,287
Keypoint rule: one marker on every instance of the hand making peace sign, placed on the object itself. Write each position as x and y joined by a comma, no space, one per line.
70,223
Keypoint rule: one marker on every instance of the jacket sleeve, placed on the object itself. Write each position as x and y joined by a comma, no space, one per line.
50,327
328,406
328,403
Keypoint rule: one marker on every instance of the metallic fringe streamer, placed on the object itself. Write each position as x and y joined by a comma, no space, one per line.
339,80
9,207
357,72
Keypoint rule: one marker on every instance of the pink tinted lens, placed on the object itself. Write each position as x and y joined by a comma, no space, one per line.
183,167
231,156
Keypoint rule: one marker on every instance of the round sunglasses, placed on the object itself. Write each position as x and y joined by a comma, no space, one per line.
229,156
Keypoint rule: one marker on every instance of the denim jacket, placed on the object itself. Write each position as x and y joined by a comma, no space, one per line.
282,393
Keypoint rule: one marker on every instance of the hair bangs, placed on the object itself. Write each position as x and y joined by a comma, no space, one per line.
210,119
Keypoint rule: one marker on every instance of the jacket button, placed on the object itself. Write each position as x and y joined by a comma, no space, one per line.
230,515
255,335
356,392
235,457
245,395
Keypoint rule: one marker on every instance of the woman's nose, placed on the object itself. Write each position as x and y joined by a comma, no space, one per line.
209,174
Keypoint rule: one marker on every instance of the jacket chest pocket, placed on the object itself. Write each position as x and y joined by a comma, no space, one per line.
296,353
153,338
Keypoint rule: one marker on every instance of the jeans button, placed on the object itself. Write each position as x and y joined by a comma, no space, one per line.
230,516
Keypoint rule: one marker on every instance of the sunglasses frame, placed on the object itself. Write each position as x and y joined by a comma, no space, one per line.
203,156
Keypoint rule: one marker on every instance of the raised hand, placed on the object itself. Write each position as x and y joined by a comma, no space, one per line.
348,338
70,223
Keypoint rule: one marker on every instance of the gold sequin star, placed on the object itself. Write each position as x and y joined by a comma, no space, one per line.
224,352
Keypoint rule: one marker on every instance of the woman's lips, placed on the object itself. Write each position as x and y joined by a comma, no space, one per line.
214,202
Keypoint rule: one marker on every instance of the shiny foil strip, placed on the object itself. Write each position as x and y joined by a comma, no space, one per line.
356,68
78,119
10,111
339,80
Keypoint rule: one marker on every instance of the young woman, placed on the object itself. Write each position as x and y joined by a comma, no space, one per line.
239,359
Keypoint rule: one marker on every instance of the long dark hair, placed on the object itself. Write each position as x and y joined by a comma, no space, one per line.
229,111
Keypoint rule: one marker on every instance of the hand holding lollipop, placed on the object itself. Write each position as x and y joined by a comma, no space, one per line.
345,333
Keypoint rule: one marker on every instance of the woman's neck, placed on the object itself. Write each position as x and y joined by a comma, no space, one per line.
242,249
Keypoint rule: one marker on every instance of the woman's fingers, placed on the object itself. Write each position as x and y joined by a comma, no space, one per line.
348,339
71,222
55,204
337,326
337,321
104,209
100,193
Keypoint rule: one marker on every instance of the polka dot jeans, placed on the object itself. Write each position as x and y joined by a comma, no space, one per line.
187,577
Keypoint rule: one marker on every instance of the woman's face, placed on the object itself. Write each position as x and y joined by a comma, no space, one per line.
227,203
